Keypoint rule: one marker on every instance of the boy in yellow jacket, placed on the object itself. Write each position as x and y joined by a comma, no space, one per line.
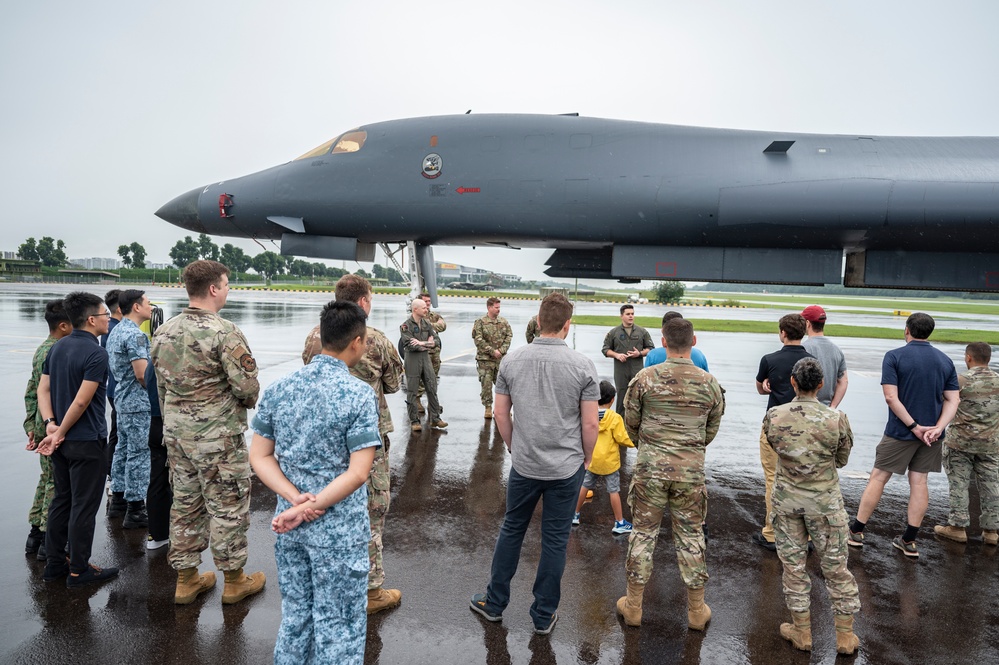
607,458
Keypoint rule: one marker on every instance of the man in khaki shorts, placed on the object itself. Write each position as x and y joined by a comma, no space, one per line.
921,389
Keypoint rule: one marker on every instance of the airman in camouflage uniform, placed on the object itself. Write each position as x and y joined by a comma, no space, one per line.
533,329
207,379
972,448
34,428
672,411
416,336
381,368
492,336
811,441
439,325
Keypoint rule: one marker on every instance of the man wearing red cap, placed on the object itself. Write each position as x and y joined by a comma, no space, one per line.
829,356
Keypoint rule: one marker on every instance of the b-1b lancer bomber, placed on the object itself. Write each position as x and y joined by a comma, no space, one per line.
630,200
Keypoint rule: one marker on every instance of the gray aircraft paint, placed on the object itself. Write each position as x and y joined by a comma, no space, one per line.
631,200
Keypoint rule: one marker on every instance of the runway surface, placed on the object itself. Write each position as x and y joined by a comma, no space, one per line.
448,493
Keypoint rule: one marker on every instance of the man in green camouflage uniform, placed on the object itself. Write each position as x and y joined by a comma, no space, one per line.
811,441
533,329
38,516
672,411
380,368
207,379
439,325
972,448
492,336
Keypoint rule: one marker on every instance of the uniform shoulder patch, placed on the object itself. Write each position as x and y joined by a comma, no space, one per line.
243,357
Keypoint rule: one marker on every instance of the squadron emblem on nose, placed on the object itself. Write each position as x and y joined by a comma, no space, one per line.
432,164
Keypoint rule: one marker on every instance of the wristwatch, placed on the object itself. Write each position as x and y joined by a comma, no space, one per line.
911,426
48,420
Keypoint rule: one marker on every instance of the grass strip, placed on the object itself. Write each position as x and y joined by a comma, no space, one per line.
941,335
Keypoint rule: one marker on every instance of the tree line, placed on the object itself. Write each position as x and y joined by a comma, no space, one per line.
52,253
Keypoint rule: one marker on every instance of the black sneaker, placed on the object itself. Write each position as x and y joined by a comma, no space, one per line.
478,606
855,539
547,629
35,540
91,575
763,542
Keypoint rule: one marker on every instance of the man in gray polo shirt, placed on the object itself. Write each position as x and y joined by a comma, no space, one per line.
554,392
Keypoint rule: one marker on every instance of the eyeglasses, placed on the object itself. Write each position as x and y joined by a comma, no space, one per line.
107,314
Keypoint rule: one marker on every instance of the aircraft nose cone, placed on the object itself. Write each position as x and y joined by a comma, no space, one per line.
183,211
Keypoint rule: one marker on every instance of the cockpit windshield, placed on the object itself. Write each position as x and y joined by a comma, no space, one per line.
352,141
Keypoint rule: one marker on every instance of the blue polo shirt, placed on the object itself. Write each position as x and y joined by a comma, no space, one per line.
74,359
922,374
658,355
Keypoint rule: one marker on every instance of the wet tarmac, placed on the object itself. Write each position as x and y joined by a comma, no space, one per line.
448,499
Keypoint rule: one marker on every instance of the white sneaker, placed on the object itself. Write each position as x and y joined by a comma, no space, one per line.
155,544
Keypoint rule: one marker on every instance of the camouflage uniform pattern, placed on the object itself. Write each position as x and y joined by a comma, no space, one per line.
811,441
381,368
207,379
672,411
621,340
419,369
972,448
533,329
490,335
38,515
130,467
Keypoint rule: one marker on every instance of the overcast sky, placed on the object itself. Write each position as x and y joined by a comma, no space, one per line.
110,109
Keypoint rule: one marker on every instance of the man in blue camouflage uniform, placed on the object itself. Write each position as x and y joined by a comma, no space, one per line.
128,356
322,424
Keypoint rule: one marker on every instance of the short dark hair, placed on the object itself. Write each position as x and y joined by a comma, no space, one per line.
817,326
625,308
980,352
607,392
128,299
807,373
555,310
920,325
201,274
492,300
340,323
351,288
111,299
55,313
424,294
679,334
669,316
793,326
80,306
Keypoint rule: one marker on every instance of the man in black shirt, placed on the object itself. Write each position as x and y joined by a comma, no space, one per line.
71,401
774,379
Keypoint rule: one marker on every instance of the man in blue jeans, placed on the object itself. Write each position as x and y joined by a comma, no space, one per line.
554,391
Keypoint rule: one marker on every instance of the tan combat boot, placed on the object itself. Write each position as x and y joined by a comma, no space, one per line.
800,632
190,585
630,606
419,408
698,612
239,585
383,599
489,412
990,537
846,641
955,533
